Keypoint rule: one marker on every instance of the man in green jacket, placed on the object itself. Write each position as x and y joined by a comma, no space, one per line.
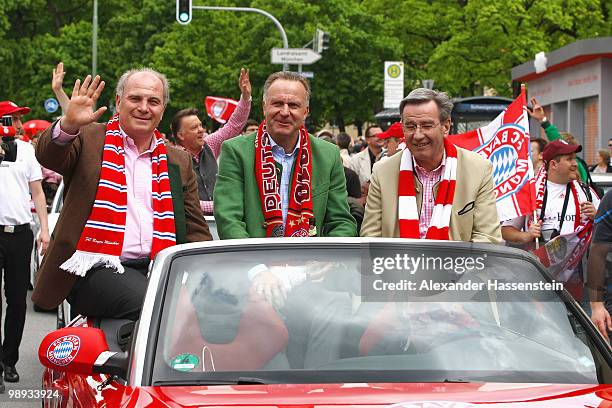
281,181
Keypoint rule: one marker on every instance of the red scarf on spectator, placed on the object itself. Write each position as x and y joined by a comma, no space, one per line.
299,212
101,241
408,213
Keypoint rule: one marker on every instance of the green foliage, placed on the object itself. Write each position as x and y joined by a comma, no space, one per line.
463,45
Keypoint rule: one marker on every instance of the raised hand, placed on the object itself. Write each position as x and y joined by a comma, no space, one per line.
244,83
57,80
58,77
537,111
80,108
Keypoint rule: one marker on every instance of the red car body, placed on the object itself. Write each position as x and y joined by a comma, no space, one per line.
80,391
76,389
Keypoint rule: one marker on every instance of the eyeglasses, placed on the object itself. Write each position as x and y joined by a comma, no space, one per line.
410,128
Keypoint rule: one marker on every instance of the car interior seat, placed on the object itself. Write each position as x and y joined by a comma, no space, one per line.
245,340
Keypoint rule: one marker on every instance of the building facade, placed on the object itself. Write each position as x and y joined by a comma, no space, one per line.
575,91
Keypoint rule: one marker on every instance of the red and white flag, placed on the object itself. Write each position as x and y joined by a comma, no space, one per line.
505,142
220,109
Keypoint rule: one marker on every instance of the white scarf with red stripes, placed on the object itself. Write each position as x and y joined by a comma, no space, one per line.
101,241
407,206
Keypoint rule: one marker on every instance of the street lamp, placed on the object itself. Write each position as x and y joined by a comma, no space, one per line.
94,40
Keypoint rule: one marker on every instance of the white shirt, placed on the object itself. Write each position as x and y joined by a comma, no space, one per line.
554,208
14,185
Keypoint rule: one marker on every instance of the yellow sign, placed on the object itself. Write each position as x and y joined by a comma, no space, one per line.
394,71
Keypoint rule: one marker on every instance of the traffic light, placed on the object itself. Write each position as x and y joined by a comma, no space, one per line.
183,11
321,41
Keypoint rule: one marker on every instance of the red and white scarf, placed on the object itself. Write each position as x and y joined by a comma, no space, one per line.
299,212
408,213
577,193
101,241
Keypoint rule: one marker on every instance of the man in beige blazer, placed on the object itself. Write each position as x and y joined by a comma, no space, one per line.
362,162
426,122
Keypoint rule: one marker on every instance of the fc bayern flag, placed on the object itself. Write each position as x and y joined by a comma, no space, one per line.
220,109
505,142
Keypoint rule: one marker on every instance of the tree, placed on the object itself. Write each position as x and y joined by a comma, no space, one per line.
463,45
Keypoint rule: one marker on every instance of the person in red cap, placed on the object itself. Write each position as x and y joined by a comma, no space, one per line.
393,139
563,203
20,177
9,108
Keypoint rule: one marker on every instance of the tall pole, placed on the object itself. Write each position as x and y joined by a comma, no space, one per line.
94,40
254,10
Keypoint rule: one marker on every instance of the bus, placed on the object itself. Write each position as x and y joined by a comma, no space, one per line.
468,113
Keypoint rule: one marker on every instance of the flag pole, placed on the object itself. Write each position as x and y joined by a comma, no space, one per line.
535,215
537,240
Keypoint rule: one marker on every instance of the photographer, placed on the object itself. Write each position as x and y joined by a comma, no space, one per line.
20,175
563,203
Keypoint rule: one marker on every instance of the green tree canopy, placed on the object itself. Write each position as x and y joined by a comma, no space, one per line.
463,45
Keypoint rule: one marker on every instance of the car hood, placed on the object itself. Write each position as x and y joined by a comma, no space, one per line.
422,395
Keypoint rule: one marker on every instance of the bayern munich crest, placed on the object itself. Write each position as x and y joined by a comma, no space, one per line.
509,172
218,108
63,350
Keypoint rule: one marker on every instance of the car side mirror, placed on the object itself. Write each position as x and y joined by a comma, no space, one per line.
81,350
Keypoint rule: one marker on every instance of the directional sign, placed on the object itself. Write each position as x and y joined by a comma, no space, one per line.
306,74
51,105
304,56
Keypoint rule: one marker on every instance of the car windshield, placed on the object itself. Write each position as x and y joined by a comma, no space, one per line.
369,312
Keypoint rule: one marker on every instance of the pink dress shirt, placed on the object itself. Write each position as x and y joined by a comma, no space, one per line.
428,179
139,217
232,128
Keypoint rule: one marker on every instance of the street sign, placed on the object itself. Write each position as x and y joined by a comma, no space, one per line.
304,56
51,105
306,74
394,84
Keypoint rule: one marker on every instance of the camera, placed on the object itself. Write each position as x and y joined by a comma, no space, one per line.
8,146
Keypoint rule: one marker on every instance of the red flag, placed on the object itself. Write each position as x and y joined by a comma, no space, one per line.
220,109
505,142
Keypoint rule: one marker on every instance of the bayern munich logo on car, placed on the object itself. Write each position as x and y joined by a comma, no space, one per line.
63,350
509,172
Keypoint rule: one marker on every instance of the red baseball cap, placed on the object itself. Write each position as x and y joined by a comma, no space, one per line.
395,130
11,108
558,148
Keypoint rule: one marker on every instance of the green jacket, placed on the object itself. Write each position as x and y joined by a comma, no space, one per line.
237,206
552,134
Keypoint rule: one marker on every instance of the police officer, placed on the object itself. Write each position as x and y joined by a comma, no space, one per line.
20,176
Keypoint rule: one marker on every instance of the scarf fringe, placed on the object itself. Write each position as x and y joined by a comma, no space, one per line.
81,262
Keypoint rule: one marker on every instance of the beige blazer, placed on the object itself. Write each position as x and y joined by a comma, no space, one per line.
361,164
474,214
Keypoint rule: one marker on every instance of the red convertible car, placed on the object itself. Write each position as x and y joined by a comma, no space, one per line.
337,322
